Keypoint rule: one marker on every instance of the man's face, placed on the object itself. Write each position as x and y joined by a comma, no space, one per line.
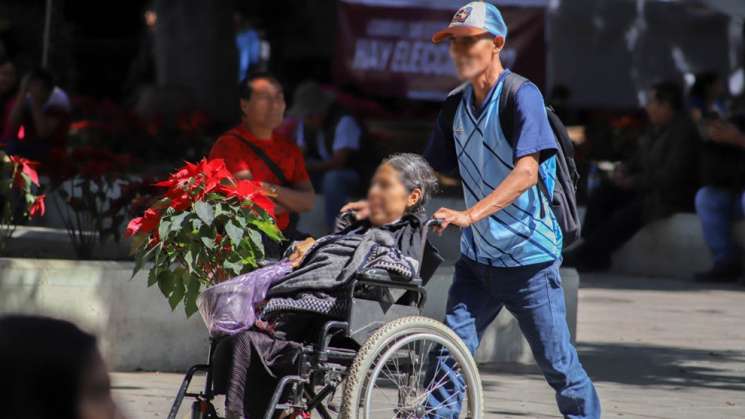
266,108
472,55
8,78
659,112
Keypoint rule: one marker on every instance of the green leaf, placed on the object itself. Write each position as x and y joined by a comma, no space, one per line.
204,212
235,233
166,282
179,290
177,220
189,259
267,227
208,242
164,228
256,238
236,267
139,261
190,300
196,223
152,277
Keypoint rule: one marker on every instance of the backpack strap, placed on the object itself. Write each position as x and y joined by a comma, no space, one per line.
274,168
450,107
270,164
511,84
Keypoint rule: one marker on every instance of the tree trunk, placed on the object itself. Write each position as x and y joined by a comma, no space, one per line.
195,52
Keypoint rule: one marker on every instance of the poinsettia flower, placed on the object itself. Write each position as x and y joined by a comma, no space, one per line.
145,224
179,200
243,189
263,202
28,168
250,193
38,207
154,239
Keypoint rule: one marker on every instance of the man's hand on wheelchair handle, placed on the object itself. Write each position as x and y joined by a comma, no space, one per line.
361,209
447,217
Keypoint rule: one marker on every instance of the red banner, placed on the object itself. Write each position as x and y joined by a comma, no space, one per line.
387,51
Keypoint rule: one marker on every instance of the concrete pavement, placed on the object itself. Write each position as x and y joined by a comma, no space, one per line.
655,347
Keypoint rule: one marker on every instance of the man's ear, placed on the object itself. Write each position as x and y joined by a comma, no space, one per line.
499,42
244,106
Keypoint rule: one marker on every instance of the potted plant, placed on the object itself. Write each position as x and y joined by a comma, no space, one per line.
206,228
18,177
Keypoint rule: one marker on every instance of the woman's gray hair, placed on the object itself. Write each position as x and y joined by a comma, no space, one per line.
415,173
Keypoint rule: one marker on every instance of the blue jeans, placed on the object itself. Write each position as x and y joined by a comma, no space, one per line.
533,294
718,209
337,187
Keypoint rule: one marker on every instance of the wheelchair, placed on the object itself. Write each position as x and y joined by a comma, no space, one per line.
391,372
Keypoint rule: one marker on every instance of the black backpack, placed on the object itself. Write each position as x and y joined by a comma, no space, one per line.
564,199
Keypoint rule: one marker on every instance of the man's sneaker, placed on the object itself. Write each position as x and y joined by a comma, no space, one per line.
721,272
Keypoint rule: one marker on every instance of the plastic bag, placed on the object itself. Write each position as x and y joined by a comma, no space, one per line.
228,308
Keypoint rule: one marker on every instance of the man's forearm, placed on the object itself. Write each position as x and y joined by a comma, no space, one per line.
295,200
523,177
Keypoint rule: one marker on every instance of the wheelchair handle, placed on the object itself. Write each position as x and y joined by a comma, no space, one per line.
433,222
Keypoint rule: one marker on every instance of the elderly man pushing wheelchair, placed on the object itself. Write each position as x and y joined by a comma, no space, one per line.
511,241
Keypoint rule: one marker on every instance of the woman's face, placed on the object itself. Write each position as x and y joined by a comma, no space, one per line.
388,197
96,401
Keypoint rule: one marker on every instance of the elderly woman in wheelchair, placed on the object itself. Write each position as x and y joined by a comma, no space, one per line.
334,328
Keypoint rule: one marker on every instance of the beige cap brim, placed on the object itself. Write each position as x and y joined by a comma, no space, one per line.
455,32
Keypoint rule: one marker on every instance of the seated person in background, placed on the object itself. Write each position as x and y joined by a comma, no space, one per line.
311,288
721,200
8,93
51,370
252,150
39,119
329,137
706,97
660,180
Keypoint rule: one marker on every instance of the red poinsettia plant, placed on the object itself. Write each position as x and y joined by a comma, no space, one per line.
207,227
19,182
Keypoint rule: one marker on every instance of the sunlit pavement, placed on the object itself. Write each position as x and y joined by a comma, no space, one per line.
656,348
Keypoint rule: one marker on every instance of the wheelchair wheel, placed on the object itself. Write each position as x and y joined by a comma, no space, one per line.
399,373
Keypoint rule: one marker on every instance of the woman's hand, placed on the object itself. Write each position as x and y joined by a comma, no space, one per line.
361,209
301,248
448,216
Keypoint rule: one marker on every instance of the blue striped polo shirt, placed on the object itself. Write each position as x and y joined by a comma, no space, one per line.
520,234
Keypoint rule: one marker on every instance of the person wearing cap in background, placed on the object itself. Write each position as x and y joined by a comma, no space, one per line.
511,250
329,137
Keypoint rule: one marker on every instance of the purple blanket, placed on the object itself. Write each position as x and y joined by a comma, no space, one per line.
228,308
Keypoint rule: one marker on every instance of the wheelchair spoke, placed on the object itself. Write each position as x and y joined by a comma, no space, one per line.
413,379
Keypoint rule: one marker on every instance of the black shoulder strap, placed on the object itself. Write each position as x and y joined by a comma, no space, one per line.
450,107
511,84
267,161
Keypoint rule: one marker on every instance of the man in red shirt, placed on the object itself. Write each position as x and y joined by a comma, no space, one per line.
253,150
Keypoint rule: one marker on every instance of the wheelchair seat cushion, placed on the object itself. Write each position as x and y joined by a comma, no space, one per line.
333,304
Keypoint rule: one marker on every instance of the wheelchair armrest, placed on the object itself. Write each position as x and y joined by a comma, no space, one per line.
384,278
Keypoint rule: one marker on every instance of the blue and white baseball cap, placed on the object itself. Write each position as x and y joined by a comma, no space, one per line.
475,18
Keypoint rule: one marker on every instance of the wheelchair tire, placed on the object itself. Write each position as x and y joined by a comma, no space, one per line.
387,344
